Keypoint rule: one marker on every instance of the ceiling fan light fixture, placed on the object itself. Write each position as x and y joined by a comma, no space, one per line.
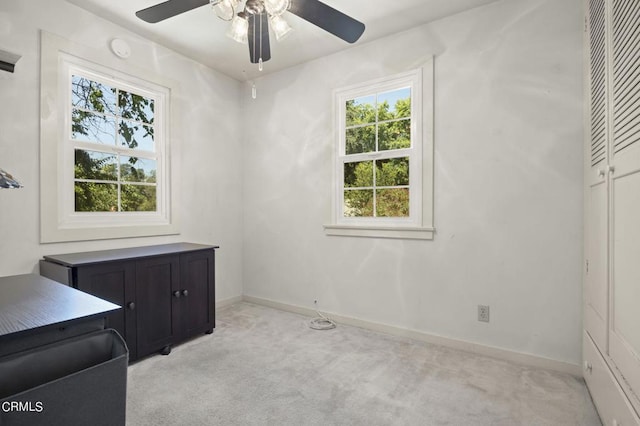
276,7
239,29
279,26
260,15
225,9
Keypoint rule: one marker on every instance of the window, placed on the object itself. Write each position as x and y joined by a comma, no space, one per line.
377,155
380,159
104,159
115,154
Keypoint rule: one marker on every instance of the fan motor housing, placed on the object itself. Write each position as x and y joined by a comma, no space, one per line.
254,7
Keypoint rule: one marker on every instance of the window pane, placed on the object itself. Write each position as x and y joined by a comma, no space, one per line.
138,198
392,202
360,139
90,127
91,95
394,135
136,107
395,104
135,136
96,197
136,169
358,174
95,165
392,172
361,111
358,203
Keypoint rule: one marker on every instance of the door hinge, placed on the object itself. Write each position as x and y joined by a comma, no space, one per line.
587,265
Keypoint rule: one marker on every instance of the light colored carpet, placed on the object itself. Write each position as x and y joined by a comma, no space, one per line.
266,367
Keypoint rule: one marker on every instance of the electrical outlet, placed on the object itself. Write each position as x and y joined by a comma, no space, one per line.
483,313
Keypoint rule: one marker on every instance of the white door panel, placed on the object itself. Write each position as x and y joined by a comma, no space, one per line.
596,289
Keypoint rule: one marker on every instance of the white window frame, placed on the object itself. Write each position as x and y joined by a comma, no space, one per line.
59,220
419,224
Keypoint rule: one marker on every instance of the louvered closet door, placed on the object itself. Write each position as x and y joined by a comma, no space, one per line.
596,288
624,338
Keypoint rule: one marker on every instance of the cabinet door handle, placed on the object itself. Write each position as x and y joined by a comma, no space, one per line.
185,293
600,173
176,294
131,306
611,169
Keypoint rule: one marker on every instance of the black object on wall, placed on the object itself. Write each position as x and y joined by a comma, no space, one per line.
7,181
6,66
8,61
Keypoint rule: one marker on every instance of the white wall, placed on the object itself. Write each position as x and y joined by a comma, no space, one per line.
209,144
507,174
508,184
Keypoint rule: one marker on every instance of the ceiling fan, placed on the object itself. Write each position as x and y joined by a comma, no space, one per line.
250,20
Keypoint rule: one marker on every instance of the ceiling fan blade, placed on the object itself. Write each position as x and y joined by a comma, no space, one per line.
328,18
168,9
259,47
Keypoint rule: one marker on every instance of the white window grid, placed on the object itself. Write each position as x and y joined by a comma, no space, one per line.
413,81
117,149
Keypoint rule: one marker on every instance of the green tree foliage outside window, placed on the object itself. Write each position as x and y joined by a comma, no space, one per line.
123,123
377,123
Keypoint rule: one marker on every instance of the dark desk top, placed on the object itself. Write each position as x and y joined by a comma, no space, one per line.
31,302
91,257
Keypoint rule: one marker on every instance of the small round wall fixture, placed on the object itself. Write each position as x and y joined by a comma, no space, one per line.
120,48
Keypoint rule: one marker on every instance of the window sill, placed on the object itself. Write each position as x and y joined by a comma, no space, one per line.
379,232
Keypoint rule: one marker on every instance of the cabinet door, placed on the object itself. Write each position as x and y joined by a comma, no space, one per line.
198,303
157,281
114,282
624,337
596,298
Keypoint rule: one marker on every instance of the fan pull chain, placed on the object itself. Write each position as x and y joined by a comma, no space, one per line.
260,67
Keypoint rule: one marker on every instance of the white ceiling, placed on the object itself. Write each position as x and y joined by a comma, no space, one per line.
200,35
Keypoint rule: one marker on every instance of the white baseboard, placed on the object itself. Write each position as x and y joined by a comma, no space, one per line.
225,303
500,353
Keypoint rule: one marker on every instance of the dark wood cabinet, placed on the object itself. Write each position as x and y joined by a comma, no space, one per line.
54,350
115,282
167,292
197,314
35,311
157,279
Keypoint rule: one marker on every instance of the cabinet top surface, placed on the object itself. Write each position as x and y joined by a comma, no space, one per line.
29,302
91,257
